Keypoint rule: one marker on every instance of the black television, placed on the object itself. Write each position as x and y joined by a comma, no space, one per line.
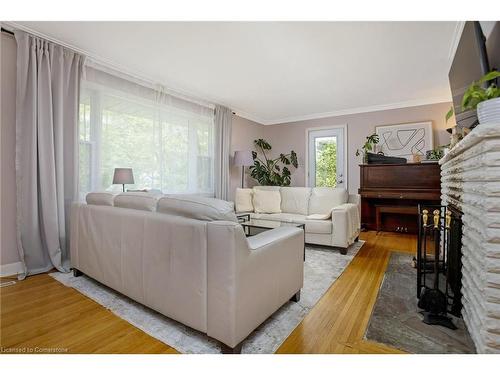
469,64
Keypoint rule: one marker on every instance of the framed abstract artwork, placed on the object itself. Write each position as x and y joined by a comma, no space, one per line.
404,140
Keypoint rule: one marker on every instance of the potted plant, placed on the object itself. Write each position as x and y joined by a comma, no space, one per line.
485,99
272,172
369,145
436,153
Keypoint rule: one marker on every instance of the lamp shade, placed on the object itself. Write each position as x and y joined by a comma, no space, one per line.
123,176
243,158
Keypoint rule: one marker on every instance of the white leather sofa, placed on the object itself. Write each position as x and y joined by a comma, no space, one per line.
331,216
189,259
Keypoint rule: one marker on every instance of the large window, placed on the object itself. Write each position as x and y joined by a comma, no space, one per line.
168,148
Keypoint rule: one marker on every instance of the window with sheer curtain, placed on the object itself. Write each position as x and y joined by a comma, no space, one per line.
169,148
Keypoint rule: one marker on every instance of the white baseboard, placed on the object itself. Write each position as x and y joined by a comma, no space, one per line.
11,269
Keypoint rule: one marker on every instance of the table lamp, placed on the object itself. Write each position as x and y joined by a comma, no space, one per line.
123,176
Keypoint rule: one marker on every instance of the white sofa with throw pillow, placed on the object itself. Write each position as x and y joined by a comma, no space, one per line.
331,216
187,258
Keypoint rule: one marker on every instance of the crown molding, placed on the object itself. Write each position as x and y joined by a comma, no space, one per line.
356,110
248,116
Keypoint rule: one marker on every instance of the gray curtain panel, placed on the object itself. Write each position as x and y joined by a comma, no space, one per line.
223,125
48,87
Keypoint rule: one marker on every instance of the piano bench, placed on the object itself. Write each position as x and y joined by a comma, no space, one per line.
383,209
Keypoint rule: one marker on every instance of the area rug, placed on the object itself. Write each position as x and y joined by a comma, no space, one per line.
396,321
321,268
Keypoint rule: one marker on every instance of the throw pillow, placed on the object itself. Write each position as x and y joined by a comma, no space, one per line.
243,200
267,201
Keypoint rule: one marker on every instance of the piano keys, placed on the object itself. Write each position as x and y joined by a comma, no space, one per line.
390,194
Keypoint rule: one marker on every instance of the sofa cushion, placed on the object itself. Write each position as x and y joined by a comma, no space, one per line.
137,201
319,216
319,226
323,199
243,200
296,218
197,207
101,198
311,226
295,200
267,201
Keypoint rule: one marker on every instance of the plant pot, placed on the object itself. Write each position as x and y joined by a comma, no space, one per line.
489,111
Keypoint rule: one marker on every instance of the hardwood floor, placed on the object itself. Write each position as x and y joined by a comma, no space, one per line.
39,312
338,322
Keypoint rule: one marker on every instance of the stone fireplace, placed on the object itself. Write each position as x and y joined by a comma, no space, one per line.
470,182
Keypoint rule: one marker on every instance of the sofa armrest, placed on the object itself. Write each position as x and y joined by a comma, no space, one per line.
346,224
269,237
355,199
249,279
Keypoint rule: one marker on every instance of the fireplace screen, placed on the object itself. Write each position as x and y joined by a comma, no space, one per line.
439,264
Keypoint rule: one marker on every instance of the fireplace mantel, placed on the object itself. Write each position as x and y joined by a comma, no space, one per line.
470,181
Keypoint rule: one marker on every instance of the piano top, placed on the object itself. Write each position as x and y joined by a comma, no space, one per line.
405,177
400,164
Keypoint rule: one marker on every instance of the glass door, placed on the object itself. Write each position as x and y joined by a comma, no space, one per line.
326,158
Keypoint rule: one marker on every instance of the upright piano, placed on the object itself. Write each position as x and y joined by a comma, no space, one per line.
390,194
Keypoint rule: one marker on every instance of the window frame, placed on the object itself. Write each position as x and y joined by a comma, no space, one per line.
344,159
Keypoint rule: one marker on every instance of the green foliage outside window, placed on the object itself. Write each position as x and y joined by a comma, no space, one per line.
326,164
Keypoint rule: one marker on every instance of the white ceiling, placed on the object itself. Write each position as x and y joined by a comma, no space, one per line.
274,72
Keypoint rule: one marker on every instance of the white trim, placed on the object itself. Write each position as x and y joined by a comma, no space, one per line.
373,108
11,269
306,162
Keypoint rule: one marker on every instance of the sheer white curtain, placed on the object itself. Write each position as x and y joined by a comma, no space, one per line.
48,84
168,141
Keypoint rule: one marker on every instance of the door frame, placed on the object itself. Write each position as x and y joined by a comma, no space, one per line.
346,149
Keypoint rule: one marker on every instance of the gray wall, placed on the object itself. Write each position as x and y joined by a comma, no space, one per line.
8,247
288,136
242,136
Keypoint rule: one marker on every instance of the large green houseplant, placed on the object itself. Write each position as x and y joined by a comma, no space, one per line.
271,172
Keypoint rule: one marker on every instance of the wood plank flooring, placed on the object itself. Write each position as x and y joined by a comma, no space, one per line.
39,312
338,322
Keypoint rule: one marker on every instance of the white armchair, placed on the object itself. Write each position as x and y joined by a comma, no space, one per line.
249,278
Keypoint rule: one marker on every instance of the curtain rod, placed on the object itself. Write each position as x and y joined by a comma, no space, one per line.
4,30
